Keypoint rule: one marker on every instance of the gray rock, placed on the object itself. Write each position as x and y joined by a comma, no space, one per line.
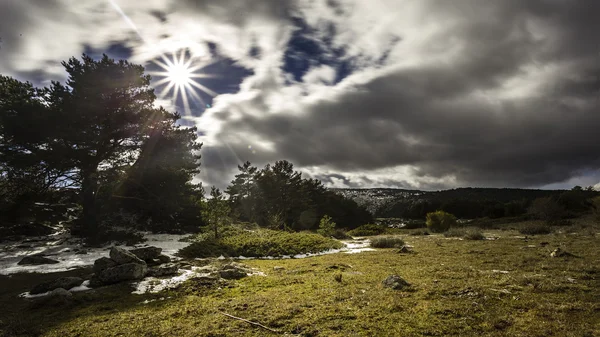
35,260
123,272
147,253
404,250
102,264
63,282
395,282
233,272
82,252
559,253
164,258
122,256
166,269
61,292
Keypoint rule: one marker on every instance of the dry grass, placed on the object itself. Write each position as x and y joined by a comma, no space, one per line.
505,287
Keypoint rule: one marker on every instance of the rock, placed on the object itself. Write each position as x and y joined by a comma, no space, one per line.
102,264
122,256
233,271
147,253
35,260
60,292
559,253
82,252
159,260
205,281
63,282
395,282
164,270
164,258
122,272
278,268
404,250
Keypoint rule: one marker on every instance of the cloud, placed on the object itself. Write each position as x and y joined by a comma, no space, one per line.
413,94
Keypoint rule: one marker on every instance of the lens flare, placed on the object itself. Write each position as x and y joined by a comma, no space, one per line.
179,75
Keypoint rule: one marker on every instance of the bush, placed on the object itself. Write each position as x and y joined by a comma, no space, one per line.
440,221
455,233
596,208
419,232
367,230
534,229
387,242
547,209
326,226
341,235
258,243
474,234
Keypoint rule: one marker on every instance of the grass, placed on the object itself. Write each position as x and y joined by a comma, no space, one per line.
535,229
465,233
505,287
387,242
258,243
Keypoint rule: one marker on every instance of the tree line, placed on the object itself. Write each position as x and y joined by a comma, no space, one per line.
100,141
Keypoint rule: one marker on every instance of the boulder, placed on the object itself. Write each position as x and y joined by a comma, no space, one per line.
559,253
163,258
63,282
233,272
35,260
122,256
166,269
404,250
122,272
395,282
102,264
147,253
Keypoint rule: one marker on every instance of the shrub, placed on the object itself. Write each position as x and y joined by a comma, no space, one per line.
534,229
419,232
547,209
258,243
387,242
326,226
341,235
440,221
474,234
455,233
367,230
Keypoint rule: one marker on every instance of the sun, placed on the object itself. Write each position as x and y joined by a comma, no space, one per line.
180,75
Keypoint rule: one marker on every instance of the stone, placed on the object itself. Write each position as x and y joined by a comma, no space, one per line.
233,271
404,250
60,292
82,252
122,272
122,256
147,253
395,282
63,282
559,253
164,258
102,264
35,260
166,269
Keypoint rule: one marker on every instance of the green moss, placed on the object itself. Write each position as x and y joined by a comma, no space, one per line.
259,243
368,230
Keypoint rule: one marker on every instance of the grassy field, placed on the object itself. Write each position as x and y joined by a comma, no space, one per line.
509,286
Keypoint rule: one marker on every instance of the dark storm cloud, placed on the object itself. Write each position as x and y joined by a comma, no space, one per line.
450,119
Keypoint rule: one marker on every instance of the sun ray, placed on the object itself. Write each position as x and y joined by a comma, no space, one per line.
203,88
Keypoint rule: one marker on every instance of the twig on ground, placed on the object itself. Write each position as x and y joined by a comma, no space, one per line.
247,321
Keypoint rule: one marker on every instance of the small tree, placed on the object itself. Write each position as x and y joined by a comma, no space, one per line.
326,226
440,221
215,211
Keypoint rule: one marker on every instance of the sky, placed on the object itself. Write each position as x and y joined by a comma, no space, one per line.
419,94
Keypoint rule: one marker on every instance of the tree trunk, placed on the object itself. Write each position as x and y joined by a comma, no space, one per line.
88,192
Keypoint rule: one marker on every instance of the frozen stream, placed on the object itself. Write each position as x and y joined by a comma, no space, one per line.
69,251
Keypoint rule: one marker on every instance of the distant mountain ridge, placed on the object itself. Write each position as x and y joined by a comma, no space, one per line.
392,202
